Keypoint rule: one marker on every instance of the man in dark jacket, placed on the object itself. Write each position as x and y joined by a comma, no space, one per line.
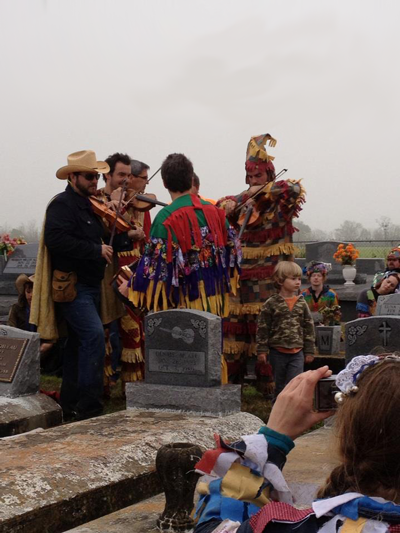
75,237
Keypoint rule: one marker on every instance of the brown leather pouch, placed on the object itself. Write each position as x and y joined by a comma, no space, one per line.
63,286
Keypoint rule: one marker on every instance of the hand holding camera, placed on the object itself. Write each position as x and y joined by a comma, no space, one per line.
293,412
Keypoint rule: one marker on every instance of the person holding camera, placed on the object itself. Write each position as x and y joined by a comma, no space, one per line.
244,490
285,329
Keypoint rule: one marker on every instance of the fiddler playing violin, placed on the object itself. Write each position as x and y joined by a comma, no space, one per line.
124,196
263,216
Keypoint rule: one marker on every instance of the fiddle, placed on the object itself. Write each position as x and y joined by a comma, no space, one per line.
249,210
100,209
144,202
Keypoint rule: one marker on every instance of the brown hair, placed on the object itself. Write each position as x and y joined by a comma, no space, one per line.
394,274
369,436
283,270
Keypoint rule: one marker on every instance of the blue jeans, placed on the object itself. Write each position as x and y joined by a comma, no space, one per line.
285,367
82,384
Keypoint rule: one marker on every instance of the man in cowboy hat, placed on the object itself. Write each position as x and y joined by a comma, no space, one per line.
74,237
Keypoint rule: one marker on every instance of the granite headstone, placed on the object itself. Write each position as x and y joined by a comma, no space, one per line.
22,260
323,251
388,304
365,334
183,366
19,362
183,347
328,339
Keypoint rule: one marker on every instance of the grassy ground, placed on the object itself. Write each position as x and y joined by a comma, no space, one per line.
252,401
116,402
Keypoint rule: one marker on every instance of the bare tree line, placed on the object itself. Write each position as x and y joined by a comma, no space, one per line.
29,231
349,231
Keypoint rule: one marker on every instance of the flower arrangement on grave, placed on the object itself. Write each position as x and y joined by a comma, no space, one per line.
8,244
346,255
331,315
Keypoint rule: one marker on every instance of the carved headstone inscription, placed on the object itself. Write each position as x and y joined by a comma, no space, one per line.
365,334
11,352
19,362
22,260
328,339
388,305
183,347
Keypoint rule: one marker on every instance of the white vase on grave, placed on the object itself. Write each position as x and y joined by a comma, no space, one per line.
349,274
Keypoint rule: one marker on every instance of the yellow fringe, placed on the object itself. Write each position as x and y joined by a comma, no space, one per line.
245,309
275,249
108,371
132,355
218,304
127,324
235,282
237,349
129,377
224,371
131,253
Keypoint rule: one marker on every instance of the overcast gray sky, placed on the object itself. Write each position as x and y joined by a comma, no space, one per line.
200,77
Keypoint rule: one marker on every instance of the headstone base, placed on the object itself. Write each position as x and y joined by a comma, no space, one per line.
19,415
210,401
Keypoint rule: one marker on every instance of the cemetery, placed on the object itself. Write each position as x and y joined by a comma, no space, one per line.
100,475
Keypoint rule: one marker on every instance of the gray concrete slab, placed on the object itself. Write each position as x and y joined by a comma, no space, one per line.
19,415
59,478
308,465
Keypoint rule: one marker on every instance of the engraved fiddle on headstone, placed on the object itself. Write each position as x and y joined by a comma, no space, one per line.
183,366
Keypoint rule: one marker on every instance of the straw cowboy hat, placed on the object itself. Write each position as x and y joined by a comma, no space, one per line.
22,280
83,161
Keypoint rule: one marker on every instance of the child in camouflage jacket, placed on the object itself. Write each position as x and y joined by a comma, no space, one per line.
285,330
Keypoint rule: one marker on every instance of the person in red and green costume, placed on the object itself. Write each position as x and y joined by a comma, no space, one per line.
266,240
191,260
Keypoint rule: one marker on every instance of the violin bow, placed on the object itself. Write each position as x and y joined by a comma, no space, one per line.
156,172
250,208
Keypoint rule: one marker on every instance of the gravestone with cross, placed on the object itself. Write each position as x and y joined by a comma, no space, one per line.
183,366
365,334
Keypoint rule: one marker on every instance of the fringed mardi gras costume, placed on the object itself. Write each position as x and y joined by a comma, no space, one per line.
264,242
263,245
131,325
190,262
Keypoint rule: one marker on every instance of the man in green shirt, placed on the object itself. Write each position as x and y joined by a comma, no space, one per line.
191,260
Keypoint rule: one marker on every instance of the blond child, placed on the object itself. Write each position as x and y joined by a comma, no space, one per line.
285,332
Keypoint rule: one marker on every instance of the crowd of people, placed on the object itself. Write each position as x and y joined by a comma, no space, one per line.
103,265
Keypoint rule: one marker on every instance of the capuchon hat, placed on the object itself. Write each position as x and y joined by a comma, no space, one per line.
394,253
256,154
22,280
317,267
83,161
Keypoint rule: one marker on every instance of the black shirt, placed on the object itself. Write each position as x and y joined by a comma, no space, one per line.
74,235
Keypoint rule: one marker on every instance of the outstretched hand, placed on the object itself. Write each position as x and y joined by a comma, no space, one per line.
293,412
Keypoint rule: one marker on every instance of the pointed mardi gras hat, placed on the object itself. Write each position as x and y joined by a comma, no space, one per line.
256,155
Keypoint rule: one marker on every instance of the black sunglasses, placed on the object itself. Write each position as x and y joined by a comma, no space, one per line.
90,177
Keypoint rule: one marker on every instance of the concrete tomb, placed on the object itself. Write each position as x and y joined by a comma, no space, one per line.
183,366
364,334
